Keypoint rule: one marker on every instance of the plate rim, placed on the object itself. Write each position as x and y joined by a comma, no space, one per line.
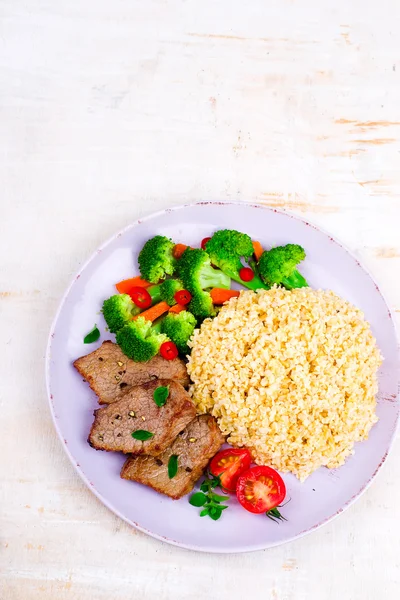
85,479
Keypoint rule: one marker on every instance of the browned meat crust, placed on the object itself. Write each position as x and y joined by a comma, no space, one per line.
194,447
136,410
111,374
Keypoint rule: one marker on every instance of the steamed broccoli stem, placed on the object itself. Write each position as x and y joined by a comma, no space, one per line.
226,248
296,280
210,278
255,284
195,270
164,291
253,265
155,293
157,325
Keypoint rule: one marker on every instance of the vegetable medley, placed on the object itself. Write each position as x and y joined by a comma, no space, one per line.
259,489
180,286
157,311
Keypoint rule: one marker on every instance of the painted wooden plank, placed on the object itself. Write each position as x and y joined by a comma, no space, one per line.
113,109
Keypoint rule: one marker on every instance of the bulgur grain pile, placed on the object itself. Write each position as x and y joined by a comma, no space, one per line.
291,375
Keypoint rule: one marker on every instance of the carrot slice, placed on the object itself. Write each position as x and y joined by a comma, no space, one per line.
125,286
258,250
219,295
178,250
177,308
152,313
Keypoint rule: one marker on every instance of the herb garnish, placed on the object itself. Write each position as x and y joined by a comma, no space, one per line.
92,336
142,435
160,395
275,515
172,466
211,502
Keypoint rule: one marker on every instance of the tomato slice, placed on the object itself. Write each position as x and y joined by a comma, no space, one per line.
260,489
141,297
168,350
246,274
204,242
229,464
183,297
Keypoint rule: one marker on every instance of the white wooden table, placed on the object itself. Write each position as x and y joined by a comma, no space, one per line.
111,109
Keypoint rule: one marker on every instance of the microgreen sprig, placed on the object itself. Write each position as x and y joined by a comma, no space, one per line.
212,503
275,515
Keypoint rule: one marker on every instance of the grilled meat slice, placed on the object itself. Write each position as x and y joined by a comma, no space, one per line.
194,447
136,410
111,374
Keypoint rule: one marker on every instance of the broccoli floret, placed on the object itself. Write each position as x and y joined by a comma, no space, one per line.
201,305
226,248
195,270
156,259
179,328
168,289
139,340
278,266
197,275
118,311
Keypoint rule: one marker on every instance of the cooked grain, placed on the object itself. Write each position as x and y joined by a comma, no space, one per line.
291,375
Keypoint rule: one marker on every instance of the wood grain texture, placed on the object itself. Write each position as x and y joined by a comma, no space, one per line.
112,109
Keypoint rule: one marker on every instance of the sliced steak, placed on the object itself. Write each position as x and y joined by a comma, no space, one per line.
111,374
136,410
194,447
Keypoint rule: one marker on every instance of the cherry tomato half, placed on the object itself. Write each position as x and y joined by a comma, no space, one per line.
246,274
141,297
183,297
229,464
204,242
168,350
259,489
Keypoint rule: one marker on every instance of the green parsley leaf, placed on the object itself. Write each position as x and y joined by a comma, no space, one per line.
217,498
206,498
215,513
204,487
92,336
215,481
198,499
172,466
142,435
160,395
213,504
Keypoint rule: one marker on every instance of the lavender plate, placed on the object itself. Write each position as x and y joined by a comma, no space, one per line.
326,493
